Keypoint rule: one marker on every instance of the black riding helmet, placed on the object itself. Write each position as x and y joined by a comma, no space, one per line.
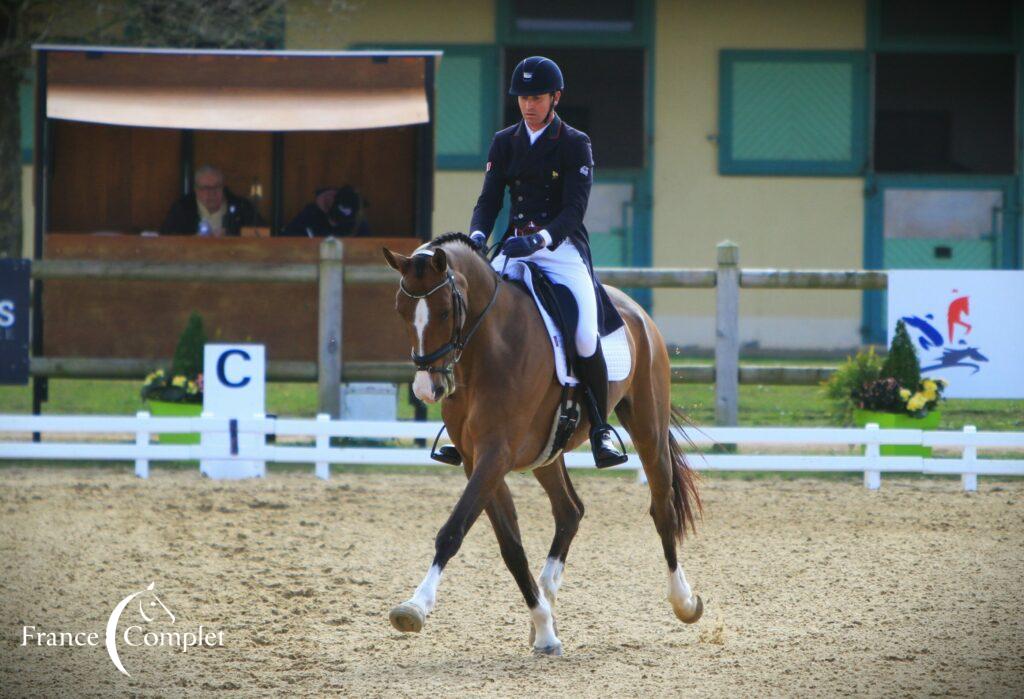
536,75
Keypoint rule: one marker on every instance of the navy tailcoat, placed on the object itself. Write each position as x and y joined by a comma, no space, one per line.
549,186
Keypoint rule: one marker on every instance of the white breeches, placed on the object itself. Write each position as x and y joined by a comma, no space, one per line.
565,266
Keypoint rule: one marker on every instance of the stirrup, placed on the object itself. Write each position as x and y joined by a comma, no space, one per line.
605,455
447,454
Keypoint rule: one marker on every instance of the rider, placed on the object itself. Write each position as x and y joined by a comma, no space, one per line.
548,168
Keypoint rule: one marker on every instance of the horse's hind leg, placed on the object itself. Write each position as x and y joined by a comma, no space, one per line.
647,418
567,509
502,513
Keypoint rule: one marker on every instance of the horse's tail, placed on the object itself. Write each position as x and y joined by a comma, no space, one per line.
684,480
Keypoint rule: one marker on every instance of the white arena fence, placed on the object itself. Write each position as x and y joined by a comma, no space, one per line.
144,427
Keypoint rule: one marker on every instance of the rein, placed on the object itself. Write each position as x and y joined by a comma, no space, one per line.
457,342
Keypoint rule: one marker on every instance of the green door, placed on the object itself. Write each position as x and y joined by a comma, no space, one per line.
937,222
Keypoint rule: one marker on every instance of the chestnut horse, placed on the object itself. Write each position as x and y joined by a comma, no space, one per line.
481,346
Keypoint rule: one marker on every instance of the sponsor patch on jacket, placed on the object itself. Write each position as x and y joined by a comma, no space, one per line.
488,166
584,170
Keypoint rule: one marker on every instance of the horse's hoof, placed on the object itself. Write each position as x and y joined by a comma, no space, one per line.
693,618
554,650
407,618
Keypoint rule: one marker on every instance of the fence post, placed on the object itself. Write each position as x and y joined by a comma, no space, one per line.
332,277
872,452
142,440
727,334
970,455
323,442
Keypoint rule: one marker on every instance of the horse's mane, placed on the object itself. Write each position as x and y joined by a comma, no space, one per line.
420,261
450,236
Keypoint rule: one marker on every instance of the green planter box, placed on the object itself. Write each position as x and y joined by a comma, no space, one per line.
161,408
895,421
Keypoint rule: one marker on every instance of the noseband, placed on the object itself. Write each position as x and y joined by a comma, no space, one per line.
457,342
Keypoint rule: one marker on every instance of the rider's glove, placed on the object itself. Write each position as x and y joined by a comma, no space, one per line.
521,246
480,238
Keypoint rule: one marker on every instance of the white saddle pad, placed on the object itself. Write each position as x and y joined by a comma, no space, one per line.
614,346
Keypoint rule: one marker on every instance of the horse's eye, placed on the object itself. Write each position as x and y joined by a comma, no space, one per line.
444,315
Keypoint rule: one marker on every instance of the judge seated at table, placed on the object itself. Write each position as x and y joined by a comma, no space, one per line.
336,211
210,209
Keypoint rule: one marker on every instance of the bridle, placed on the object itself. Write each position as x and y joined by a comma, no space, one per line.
457,342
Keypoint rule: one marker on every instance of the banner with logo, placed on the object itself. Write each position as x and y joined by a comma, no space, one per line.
967,327
14,321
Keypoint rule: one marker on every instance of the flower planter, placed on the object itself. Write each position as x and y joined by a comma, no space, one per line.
164,409
897,421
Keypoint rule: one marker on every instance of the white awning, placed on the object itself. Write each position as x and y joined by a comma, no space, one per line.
237,92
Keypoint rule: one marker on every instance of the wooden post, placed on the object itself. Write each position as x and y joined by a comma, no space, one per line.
727,334
332,277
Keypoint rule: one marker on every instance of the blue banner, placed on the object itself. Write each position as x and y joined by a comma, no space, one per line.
14,321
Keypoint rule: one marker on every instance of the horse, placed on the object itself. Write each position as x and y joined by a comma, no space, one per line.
481,347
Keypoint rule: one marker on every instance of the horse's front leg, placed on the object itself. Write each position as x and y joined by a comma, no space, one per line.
502,513
483,483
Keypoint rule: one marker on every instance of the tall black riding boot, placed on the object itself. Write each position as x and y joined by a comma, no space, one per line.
592,373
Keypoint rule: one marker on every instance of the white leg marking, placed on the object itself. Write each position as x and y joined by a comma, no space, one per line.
426,594
551,578
680,594
544,624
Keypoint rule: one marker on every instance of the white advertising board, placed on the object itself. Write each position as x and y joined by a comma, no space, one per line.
234,386
966,325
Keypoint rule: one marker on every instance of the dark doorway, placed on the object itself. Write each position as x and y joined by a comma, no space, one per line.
944,113
604,97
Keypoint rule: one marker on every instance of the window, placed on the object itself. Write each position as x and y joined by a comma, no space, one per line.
574,22
944,113
792,112
942,24
604,97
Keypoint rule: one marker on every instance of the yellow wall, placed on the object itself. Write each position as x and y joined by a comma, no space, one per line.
794,222
778,221
411,22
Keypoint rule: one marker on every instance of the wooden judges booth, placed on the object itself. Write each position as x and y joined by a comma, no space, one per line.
119,133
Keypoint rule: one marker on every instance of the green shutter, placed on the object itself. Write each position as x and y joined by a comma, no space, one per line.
466,106
791,112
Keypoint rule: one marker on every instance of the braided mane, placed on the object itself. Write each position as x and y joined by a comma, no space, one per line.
448,237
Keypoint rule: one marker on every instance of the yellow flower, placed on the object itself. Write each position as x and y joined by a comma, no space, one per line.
904,393
916,403
192,387
179,381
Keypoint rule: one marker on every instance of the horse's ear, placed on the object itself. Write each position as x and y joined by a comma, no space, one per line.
397,261
439,261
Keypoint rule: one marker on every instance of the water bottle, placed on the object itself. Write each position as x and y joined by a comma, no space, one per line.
205,229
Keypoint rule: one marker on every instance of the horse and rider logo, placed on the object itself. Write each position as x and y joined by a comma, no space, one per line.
146,598
951,351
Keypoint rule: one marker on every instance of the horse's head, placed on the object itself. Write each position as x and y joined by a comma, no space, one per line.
431,300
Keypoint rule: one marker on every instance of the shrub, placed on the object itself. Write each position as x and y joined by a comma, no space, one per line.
188,355
840,388
902,363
